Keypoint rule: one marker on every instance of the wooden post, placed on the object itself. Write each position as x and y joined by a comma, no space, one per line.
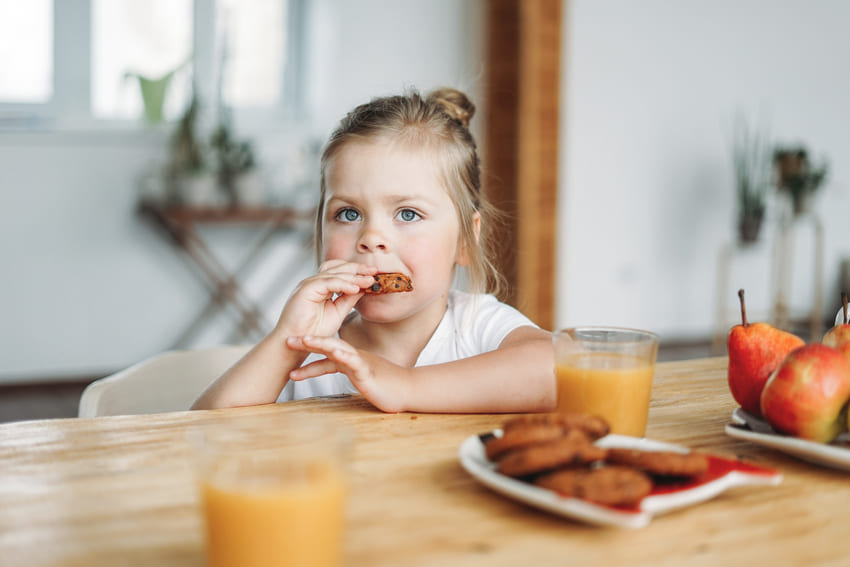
524,47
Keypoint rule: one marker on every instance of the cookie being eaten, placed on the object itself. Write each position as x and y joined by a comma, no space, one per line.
392,282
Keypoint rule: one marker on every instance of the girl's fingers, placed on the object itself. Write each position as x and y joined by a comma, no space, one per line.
343,267
295,343
331,264
323,286
348,363
340,356
345,303
316,368
320,345
338,277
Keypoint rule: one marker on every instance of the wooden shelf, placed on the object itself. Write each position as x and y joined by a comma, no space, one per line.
179,223
182,214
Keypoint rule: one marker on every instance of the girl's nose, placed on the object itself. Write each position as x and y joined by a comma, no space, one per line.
371,240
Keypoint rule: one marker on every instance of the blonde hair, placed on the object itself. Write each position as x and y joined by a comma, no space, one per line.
439,122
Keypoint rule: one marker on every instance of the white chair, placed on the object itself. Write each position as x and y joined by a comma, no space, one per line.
170,381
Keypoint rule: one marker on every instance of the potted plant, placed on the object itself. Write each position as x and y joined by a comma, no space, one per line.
797,177
751,159
250,183
189,177
153,91
238,173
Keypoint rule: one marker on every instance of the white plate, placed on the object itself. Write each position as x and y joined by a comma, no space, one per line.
722,475
751,428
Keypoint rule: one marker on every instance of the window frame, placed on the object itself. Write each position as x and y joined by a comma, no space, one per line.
69,107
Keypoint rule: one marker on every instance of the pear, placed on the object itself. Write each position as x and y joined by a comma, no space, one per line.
839,336
755,351
807,395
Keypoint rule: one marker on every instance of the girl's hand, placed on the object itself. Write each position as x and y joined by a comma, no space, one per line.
380,381
321,302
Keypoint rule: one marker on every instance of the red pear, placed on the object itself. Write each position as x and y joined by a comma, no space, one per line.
755,351
807,395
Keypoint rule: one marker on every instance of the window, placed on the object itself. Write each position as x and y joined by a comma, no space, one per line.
141,51
251,61
26,79
78,63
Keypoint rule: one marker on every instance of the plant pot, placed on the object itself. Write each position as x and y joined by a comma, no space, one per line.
250,189
153,97
802,202
749,229
200,190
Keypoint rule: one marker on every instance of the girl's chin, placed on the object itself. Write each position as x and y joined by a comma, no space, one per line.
380,308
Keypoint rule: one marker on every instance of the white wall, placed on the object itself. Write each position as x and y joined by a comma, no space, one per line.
88,287
382,47
651,89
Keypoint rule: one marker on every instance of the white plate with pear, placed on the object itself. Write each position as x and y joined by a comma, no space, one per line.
756,430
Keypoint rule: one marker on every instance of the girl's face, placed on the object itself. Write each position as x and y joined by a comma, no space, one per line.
385,206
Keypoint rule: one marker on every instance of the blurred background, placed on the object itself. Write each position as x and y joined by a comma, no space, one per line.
667,123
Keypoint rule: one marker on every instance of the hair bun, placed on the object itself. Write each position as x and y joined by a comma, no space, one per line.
454,103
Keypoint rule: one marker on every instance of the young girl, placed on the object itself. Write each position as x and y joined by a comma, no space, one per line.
400,192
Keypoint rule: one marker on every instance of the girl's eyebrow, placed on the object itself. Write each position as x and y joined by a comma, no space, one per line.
333,198
340,200
396,199
405,198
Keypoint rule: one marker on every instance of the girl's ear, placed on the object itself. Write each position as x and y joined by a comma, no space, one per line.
463,257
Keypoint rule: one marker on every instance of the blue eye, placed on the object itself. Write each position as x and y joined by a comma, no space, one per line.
408,215
348,215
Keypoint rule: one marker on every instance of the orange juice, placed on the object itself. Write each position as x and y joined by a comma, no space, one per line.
288,523
614,386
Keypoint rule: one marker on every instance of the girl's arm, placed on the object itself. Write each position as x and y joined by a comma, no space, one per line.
257,378
317,306
517,377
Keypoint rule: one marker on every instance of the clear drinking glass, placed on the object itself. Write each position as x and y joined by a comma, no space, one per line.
606,371
273,489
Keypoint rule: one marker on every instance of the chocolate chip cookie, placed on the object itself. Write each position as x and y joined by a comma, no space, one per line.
392,282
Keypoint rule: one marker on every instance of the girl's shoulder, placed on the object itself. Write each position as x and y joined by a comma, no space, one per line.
465,301
466,307
474,323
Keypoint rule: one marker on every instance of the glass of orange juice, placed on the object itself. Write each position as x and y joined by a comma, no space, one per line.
273,490
606,371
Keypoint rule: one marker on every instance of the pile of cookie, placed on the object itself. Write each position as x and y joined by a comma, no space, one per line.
557,451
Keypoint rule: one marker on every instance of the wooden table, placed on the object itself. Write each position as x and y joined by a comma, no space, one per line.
118,491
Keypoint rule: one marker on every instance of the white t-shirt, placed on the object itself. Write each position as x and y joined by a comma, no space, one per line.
473,324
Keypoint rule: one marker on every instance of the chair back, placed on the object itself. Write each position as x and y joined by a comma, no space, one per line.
170,381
